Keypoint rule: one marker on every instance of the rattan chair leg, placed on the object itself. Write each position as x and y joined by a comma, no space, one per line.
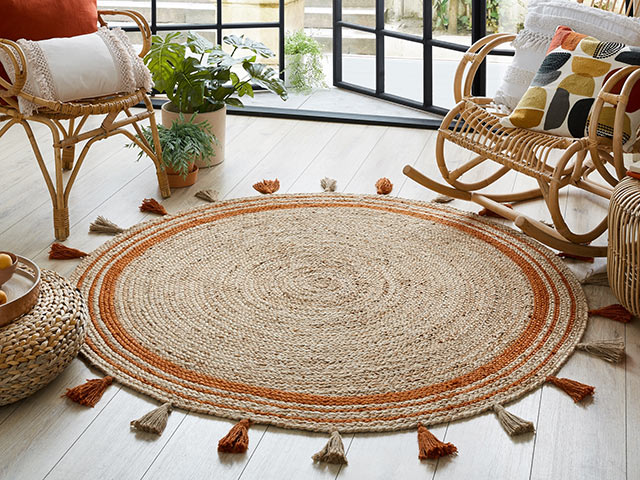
163,180
68,154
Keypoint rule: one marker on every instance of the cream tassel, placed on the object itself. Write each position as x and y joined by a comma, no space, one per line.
207,195
103,225
155,421
609,350
442,199
328,184
511,423
333,451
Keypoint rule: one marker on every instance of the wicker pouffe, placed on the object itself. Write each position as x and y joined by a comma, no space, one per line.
39,345
623,262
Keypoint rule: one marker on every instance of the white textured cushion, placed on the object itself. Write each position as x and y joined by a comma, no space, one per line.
542,20
75,68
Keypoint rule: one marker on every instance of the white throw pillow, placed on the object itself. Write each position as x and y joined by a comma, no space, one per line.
75,68
542,20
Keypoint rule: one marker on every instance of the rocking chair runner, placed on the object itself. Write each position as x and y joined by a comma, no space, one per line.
52,114
474,125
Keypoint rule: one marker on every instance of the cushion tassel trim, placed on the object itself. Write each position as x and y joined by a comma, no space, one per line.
384,186
267,186
511,423
615,312
104,225
430,447
485,212
89,393
609,350
576,390
62,252
237,440
576,257
207,195
151,205
328,184
155,421
333,451
442,199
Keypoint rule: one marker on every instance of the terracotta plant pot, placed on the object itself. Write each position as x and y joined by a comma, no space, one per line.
218,122
178,181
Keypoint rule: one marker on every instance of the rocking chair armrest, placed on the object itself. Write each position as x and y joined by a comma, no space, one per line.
16,56
474,56
140,21
619,102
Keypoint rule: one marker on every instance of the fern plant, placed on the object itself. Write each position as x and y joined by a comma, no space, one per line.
182,144
304,62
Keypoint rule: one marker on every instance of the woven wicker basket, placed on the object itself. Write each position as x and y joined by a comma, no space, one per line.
38,346
623,262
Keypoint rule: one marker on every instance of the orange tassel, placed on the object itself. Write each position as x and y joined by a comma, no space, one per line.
576,390
576,257
151,205
384,186
237,440
485,212
62,252
430,447
90,393
267,186
615,312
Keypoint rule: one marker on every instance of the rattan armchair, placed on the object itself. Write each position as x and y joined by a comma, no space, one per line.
474,125
116,109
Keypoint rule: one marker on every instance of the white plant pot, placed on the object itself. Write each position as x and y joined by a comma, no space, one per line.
218,122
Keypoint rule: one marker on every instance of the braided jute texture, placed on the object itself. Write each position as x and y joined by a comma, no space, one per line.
322,312
35,348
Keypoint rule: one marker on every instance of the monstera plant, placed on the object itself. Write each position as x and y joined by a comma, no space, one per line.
203,78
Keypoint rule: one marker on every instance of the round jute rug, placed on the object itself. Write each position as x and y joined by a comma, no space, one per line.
329,311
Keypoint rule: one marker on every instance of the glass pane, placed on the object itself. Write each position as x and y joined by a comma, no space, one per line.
186,11
403,65
452,21
403,16
240,11
360,12
505,15
445,63
358,58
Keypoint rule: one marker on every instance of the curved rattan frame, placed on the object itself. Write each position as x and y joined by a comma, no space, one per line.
116,109
474,125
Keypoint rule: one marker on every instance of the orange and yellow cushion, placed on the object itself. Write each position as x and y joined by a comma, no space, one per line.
561,95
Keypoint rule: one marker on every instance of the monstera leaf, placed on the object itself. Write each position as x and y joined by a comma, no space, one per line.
266,77
190,79
198,44
165,55
256,47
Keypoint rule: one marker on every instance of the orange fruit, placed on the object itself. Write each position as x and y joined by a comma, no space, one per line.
5,261
3,297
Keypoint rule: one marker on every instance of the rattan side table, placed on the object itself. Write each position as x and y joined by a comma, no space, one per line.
623,257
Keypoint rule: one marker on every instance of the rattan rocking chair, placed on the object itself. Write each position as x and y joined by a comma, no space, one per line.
473,124
52,114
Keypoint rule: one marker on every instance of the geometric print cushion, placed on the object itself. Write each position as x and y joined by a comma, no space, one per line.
561,95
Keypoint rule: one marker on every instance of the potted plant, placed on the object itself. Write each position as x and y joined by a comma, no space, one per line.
202,78
183,144
303,63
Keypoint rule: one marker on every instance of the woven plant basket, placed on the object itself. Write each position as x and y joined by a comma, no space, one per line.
39,345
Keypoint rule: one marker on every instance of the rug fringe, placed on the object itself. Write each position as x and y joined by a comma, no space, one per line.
104,225
576,257
267,186
442,199
576,390
384,186
151,205
511,423
207,195
596,278
89,393
333,451
237,440
615,312
62,252
328,184
430,447
485,212
155,421
609,350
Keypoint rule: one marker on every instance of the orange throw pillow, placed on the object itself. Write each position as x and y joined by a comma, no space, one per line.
42,19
